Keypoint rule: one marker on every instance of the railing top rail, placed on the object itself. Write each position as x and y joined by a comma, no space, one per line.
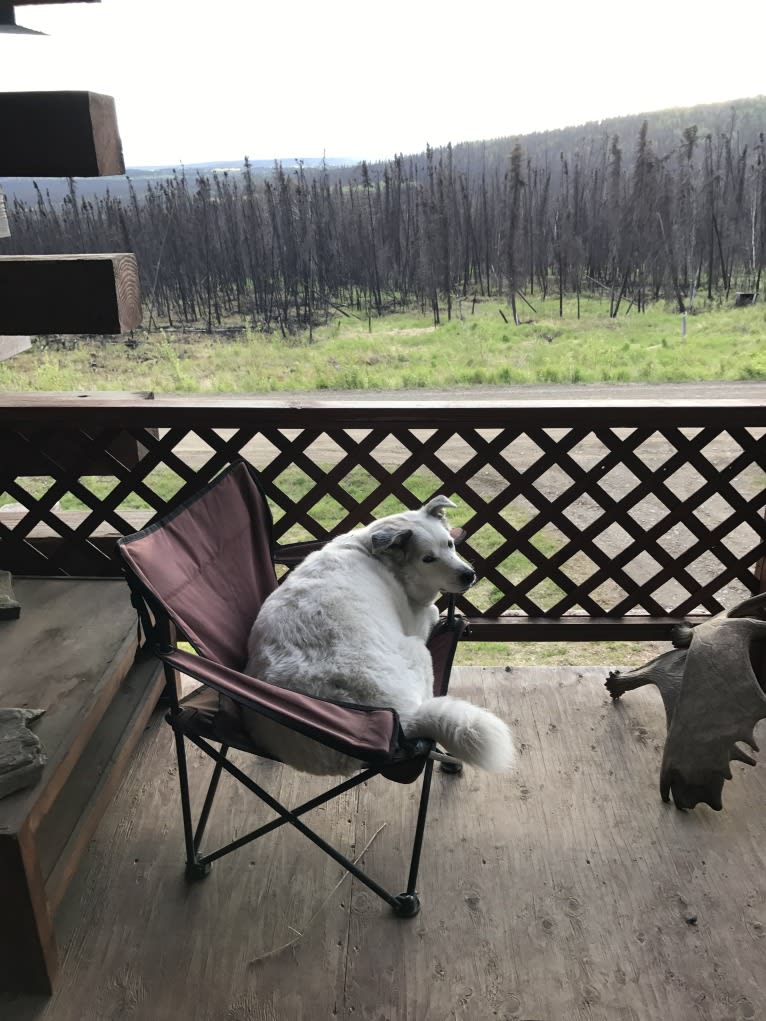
47,408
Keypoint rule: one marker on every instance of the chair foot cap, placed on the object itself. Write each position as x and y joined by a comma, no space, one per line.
407,905
197,870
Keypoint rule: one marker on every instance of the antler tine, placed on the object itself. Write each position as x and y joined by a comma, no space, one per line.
754,606
740,756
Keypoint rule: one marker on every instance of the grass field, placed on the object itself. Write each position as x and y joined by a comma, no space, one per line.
405,350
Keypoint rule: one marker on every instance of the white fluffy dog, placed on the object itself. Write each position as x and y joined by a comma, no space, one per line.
351,624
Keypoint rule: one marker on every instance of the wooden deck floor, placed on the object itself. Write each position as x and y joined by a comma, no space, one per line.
566,890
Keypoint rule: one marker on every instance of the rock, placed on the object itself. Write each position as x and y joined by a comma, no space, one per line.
9,607
22,755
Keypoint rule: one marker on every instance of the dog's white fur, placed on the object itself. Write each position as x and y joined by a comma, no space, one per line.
351,624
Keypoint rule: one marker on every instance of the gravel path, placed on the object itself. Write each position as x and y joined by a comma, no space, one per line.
554,392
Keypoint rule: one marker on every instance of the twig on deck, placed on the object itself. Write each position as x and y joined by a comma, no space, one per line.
299,935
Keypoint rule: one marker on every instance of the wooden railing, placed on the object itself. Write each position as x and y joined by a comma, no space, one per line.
585,520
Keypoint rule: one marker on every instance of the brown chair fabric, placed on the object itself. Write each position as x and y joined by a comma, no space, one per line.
362,732
209,564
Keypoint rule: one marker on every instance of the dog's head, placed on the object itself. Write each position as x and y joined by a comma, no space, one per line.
420,547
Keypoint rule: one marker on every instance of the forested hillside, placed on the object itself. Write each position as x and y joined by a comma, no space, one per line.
667,207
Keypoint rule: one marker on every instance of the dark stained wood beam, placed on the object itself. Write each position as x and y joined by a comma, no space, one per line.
59,134
8,14
28,954
76,294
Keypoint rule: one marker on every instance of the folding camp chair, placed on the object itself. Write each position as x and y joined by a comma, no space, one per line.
206,568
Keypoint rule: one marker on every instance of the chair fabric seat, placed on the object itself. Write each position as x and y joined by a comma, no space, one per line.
215,717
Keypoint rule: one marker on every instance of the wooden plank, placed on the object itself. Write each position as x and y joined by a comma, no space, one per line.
37,452
57,558
64,833
563,890
28,955
251,904
68,653
78,294
300,413
10,346
568,890
59,134
575,627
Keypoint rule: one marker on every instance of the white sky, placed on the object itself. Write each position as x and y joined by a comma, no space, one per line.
288,78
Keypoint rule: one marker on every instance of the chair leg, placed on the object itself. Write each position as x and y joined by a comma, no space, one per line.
292,818
404,905
408,903
211,791
195,869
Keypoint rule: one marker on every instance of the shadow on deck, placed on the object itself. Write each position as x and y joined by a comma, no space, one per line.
566,890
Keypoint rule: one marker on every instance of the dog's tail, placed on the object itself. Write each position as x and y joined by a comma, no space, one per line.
466,731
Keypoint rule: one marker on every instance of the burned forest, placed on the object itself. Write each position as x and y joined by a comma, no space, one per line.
678,218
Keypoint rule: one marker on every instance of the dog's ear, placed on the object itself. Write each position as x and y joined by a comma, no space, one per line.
435,508
390,539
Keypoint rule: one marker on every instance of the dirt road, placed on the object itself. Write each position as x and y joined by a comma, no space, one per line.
557,392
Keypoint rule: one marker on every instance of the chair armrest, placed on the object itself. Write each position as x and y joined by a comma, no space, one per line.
442,644
363,732
292,553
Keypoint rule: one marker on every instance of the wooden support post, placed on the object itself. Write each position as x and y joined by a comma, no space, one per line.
28,957
59,134
76,294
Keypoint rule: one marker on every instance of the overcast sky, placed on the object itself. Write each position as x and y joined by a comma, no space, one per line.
229,78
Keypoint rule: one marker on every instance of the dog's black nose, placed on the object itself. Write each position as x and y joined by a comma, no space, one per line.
467,578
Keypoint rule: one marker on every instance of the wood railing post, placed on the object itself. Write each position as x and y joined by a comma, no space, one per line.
28,956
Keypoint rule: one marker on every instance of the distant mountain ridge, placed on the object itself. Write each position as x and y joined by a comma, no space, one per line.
744,120
141,176
747,116
314,162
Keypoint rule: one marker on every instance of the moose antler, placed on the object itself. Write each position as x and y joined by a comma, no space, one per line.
712,700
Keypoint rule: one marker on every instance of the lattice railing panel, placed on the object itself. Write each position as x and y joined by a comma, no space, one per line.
655,518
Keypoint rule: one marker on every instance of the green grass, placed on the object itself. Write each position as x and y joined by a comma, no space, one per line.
405,351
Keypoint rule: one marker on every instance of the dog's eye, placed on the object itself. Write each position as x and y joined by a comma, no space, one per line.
451,544
428,559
